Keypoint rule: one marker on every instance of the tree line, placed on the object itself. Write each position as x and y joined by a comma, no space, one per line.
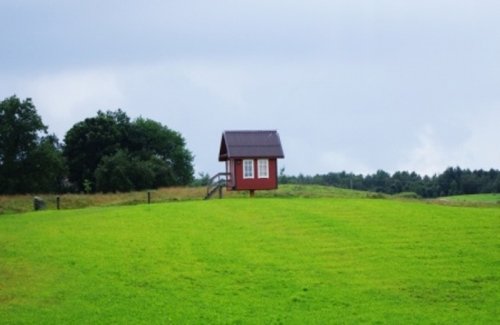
453,181
108,152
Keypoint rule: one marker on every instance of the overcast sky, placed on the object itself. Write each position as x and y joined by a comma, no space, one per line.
349,85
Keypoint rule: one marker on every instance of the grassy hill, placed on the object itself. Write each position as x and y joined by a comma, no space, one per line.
24,203
263,260
490,198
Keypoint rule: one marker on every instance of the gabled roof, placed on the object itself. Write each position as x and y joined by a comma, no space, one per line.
250,144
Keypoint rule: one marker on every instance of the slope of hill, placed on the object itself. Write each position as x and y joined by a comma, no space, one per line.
24,203
267,260
474,198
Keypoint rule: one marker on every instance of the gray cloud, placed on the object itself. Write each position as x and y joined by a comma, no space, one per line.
350,85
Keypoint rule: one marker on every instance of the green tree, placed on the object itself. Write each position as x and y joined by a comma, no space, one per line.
201,180
46,165
113,173
149,138
115,154
29,162
88,141
379,182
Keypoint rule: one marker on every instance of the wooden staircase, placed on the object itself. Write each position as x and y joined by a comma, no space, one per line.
216,184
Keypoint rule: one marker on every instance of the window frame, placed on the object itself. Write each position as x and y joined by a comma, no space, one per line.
263,165
245,175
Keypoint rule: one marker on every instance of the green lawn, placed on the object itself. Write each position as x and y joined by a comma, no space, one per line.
262,260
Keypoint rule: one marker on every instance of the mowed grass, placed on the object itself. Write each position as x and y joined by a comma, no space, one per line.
262,260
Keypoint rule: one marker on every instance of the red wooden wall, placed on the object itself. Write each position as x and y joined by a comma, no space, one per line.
237,182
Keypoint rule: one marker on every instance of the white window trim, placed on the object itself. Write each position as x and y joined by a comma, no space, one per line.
245,176
266,166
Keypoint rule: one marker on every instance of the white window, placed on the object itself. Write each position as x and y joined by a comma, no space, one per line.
248,168
263,168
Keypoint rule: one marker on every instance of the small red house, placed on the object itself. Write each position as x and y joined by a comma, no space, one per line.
251,159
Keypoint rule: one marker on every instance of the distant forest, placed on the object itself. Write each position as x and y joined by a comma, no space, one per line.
453,181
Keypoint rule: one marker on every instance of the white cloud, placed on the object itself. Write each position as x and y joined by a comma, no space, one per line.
65,98
476,148
331,161
428,157
226,82
481,149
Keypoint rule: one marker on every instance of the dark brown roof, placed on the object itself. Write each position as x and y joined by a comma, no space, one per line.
250,144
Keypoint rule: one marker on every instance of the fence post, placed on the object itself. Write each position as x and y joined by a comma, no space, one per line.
58,202
149,197
38,203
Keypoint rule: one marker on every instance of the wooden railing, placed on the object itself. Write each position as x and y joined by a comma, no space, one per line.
216,183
